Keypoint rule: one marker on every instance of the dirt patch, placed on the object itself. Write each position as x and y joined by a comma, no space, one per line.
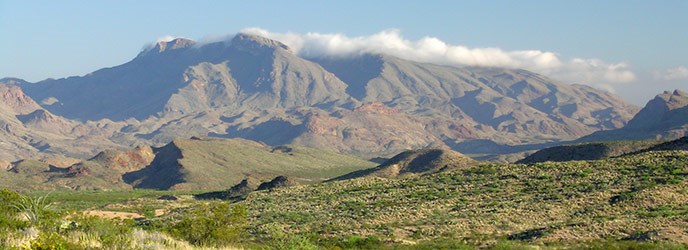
159,212
112,215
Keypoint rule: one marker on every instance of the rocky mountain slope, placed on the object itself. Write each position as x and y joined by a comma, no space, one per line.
370,105
515,102
664,117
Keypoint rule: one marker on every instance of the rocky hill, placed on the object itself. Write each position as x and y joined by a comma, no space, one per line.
678,144
371,105
415,162
588,151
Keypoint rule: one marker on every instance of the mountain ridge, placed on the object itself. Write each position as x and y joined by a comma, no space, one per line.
257,88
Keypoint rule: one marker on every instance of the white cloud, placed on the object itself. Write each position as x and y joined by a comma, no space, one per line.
593,72
678,73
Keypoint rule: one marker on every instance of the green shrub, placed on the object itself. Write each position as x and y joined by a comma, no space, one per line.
296,242
438,244
112,234
51,241
7,199
211,225
358,242
36,210
622,245
8,218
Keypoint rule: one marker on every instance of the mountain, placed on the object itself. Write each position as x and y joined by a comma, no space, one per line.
415,162
664,117
179,77
370,105
29,131
203,164
515,102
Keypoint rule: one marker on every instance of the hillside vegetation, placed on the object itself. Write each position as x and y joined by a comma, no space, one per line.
634,201
643,196
588,151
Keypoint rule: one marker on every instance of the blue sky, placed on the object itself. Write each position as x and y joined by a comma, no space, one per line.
649,39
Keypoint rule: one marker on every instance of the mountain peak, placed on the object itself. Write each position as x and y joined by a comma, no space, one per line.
162,46
250,43
41,116
177,43
672,100
659,108
13,81
13,97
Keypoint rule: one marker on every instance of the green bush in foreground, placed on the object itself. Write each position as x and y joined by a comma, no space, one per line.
111,234
211,225
36,210
51,241
8,214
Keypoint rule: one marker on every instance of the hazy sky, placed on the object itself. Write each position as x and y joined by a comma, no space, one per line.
634,48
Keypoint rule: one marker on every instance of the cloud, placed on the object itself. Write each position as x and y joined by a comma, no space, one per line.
593,72
678,73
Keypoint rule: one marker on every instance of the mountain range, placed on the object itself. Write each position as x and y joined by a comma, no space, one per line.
252,87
